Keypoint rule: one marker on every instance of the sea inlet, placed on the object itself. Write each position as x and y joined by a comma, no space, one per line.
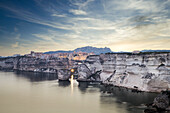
27,92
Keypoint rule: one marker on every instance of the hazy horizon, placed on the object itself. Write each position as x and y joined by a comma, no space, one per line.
121,25
76,48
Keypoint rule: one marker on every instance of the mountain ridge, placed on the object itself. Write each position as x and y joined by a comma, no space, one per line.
87,49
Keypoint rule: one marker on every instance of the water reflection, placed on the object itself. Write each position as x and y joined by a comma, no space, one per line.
133,98
72,84
35,77
122,96
64,83
83,86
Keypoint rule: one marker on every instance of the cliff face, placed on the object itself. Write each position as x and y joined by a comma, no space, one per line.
25,63
7,63
147,72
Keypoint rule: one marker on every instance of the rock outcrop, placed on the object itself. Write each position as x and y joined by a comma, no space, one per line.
64,74
24,63
143,71
86,74
161,104
7,63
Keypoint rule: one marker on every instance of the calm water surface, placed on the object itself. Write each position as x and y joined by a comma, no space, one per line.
42,93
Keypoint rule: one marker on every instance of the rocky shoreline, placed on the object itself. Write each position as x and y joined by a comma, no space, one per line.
149,72
160,104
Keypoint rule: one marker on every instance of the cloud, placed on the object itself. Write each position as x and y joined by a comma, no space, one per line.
17,36
77,12
59,15
81,4
33,18
15,29
41,36
143,6
15,45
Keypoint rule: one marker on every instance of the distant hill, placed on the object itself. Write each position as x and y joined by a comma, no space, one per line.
95,50
60,51
87,49
155,51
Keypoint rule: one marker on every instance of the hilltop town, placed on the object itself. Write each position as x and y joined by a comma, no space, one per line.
49,62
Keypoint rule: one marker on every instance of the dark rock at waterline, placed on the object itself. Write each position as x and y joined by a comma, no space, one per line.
152,110
161,104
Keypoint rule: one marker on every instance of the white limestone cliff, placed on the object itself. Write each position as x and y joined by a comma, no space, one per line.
145,71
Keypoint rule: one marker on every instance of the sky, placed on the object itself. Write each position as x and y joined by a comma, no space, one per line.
50,25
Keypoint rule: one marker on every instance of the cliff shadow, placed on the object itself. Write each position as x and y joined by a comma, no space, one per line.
36,77
124,96
64,83
88,87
